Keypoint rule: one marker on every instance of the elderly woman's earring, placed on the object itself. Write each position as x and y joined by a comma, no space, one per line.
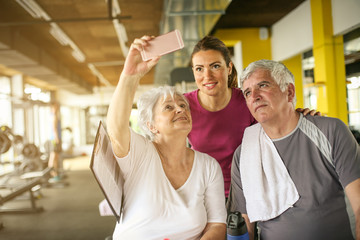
152,128
155,131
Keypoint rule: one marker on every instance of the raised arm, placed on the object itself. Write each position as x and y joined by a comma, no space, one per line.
122,100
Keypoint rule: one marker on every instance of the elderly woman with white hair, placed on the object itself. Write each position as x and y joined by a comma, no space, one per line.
171,191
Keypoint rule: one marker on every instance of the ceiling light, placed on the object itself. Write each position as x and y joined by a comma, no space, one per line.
33,9
119,28
122,36
78,55
115,8
37,12
122,32
98,75
124,48
59,35
64,40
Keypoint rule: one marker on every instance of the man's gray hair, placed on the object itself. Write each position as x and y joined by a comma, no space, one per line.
146,105
278,71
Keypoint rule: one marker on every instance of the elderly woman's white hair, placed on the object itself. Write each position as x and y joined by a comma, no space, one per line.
146,105
278,71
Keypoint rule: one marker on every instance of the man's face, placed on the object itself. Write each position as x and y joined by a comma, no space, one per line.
264,98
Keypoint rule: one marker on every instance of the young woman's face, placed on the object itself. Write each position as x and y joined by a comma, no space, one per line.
211,72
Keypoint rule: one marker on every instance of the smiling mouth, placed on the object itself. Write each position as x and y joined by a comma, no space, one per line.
209,84
180,119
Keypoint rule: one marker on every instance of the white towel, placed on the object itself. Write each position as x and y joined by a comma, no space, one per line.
268,188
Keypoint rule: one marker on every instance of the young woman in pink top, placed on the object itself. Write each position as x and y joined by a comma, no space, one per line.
218,107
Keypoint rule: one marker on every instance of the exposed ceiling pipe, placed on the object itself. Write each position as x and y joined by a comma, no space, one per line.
114,10
194,19
64,20
195,13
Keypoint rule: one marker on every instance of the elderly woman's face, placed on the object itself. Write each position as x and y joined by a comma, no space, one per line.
172,115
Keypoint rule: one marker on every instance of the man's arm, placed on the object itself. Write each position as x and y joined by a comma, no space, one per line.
352,191
236,201
250,227
214,231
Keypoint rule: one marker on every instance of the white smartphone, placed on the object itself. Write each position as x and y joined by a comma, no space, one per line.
162,45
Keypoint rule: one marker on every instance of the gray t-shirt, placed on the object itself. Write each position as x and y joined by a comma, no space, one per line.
322,158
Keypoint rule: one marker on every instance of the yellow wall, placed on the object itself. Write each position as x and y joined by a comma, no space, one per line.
294,64
329,68
252,47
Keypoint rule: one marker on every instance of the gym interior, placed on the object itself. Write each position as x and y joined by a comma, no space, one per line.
60,62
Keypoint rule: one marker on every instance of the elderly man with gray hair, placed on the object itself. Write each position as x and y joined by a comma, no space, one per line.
293,175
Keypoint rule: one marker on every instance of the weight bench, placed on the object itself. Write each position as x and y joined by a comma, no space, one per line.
32,179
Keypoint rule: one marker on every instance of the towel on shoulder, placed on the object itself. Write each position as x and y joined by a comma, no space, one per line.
268,188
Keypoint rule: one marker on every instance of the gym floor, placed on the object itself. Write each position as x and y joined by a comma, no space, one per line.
70,212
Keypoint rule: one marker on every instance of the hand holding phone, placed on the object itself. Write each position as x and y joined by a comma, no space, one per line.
162,45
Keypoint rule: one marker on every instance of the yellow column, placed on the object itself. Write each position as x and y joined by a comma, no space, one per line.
253,48
329,61
294,64
340,73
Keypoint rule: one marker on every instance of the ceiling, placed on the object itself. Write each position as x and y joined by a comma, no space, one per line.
27,44
263,13
99,32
